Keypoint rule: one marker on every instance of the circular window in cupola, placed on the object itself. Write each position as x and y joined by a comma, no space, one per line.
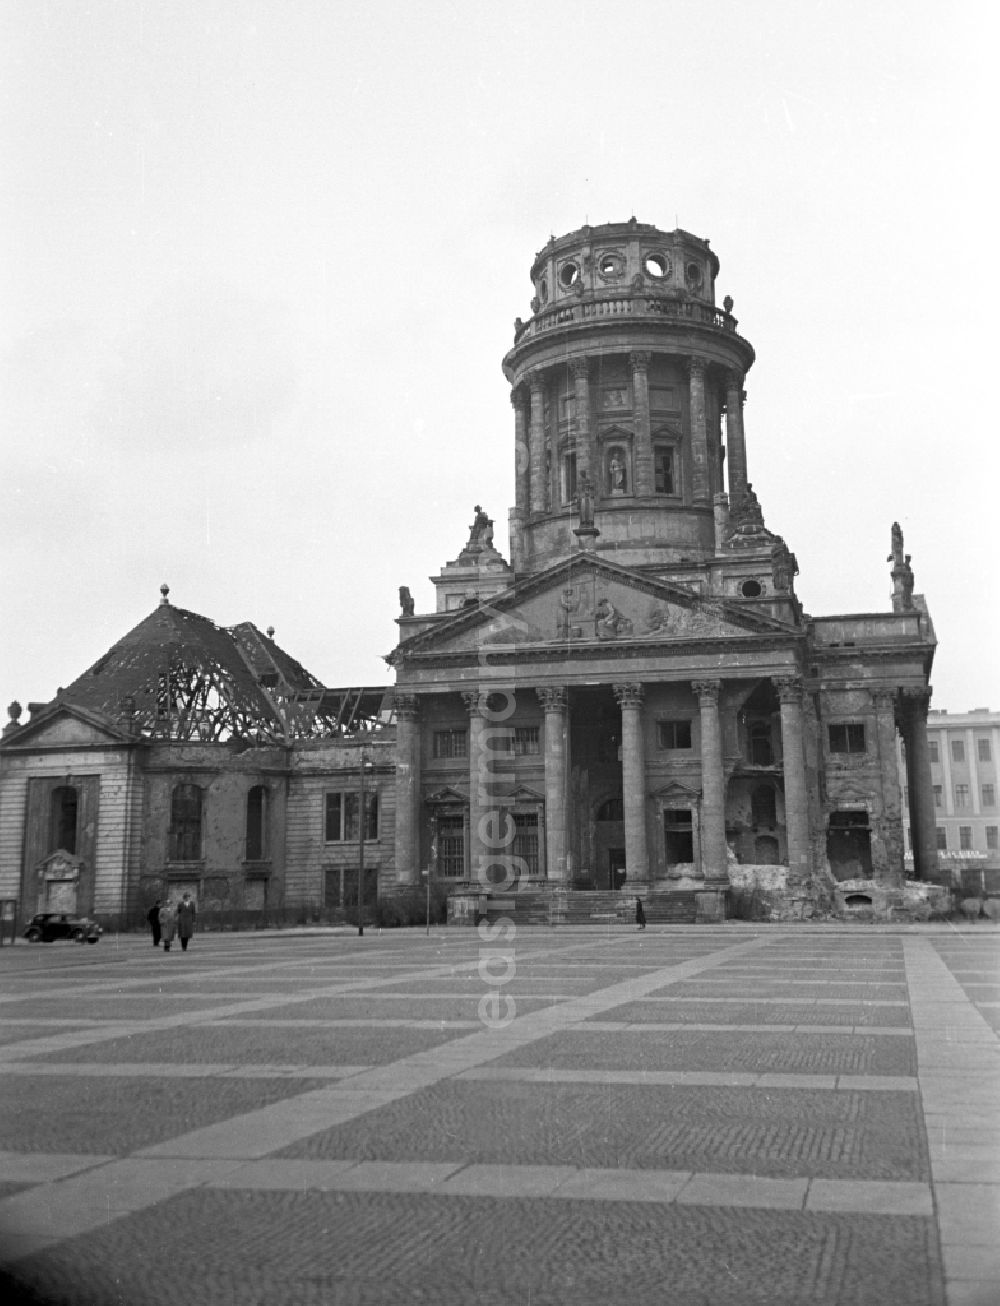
751,589
569,275
656,265
611,265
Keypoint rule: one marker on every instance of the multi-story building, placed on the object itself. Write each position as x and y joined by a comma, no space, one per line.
963,748
633,700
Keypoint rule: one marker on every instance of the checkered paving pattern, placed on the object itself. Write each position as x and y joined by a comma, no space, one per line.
681,1115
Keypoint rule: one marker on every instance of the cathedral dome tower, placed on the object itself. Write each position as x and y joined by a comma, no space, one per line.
627,388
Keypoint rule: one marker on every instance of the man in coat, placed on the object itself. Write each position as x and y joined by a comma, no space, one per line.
153,916
186,914
168,924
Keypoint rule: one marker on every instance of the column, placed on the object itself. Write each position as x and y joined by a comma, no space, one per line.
714,850
736,453
700,479
796,789
536,444
630,698
553,701
642,472
522,457
891,825
923,826
580,369
407,850
477,763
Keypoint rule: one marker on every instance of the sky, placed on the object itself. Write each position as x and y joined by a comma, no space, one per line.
263,260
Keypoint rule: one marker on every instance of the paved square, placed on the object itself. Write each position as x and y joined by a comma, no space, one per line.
683,1115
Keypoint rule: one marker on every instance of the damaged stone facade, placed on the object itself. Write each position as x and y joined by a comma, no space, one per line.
632,703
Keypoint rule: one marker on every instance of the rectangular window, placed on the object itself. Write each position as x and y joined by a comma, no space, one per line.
526,840
938,796
958,750
185,823
847,737
991,837
527,741
567,407
451,847
451,743
961,795
674,734
942,839
341,825
663,470
569,478
965,838
989,796
256,826
678,836
932,751
983,747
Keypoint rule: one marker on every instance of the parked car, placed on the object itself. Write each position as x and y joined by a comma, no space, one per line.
48,926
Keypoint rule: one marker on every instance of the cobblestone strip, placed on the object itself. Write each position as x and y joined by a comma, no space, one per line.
568,1182
694,1078
958,1070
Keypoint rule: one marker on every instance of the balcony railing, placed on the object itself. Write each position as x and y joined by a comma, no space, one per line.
634,306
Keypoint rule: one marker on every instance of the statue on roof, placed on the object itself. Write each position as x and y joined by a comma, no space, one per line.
902,572
480,533
405,601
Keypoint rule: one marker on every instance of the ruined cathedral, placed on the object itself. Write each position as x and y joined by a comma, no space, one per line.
631,703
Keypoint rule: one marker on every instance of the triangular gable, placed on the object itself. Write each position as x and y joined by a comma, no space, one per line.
676,792
589,600
64,725
446,796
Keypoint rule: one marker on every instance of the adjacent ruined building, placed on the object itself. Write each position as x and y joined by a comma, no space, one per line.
632,701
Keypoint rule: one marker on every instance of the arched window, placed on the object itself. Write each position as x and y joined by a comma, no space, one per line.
184,843
257,824
62,823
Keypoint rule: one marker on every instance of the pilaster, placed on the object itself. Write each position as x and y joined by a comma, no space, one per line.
789,691
407,844
913,705
630,698
714,851
554,704
736,453
700,473
643,454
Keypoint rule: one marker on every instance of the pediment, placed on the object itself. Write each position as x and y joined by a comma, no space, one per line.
676,792
64,726
589,601
447,796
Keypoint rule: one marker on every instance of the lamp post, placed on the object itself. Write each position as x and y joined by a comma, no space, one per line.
362,817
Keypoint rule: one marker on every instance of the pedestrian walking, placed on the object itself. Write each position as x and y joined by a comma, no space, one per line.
168,924
153,916
640,914
186,914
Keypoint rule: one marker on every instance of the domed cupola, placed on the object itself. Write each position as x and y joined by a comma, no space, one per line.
620,381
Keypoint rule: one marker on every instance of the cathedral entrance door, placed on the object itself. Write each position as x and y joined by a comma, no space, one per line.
616,868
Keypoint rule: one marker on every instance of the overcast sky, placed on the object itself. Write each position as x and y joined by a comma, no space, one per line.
262,261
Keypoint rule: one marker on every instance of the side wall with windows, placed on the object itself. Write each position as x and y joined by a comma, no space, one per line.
214,821
323,845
